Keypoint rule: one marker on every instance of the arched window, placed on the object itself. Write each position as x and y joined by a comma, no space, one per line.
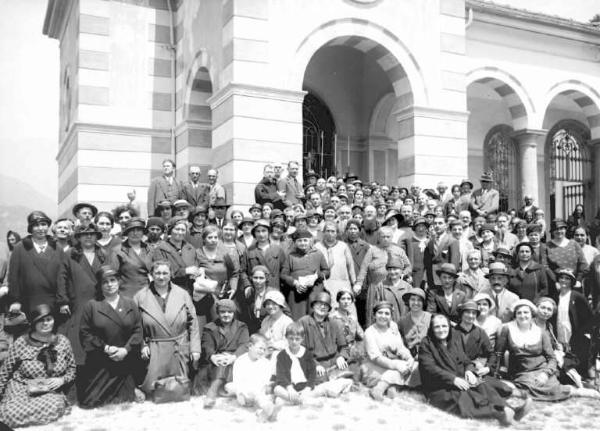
570,166
318,130
500,157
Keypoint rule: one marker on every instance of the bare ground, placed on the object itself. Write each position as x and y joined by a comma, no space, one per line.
354,411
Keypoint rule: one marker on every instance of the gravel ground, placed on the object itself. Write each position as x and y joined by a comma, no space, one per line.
354,411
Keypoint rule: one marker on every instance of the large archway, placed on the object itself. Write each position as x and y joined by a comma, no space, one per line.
350,75
498,106
572,118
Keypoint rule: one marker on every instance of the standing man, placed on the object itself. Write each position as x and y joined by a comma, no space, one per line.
528,207
290,187
195,192
485,200
164,187
219,209
443,193
216,190
84,213
266,189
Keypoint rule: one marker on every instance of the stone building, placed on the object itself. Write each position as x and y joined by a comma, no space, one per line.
400,91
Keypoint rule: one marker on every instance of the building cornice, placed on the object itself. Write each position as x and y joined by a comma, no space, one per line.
192,125
236,89
57,12
427,112
492,13
108,128
529,132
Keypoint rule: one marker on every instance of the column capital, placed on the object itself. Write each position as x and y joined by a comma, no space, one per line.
594,143
522,133
235,89
427,112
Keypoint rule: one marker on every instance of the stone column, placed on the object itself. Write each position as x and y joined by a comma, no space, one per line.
432,146
595,146
528,141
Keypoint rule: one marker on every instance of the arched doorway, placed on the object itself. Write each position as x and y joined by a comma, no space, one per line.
500,156
318,135
569,167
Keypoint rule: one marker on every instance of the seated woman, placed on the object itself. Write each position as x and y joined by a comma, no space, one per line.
38,367
449,381
567,362
413,326
324,338
252,310
275,323
345,314
111,336
486,319
532,364
476,342
170,327
223,341
389,364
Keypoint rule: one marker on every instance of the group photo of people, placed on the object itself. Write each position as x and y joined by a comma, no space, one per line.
323,287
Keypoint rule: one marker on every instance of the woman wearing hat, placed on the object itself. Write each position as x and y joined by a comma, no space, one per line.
222,342
34,268
171,337
566,360
532,363
446,298
390,289
573,320
450,383
389,364
199,219
135,259
275,322
486,318
81,265
529,279
564,253
477,344
111,335
38,369
180,254
246,238
488,244
414,324
303,272
345,314
122,214
105,223
416,250
394,221
164,209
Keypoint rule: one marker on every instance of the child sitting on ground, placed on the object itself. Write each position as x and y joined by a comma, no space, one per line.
251,380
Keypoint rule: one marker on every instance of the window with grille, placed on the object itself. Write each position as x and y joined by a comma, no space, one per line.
500,157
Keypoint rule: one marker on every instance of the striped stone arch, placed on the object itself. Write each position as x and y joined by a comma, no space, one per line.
510,90
377,43
584,96
198,88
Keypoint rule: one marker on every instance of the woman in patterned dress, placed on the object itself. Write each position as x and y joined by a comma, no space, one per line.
40,357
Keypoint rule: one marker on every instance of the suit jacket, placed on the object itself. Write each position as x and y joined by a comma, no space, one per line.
292,188
266,191
436,303
580,316
134,269
216,191
487,202
178,261
448,252
160,190
504,303
198,195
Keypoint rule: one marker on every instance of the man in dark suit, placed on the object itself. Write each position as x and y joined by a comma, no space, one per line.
290,187
441,248
164,187
446,298
219,209
266,189
195,192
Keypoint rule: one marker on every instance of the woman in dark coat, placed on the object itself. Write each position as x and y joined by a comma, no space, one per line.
529,280
303,272
82,263
111,336
449,381
134,258
35,267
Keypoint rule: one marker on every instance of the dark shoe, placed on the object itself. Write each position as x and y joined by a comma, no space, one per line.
522,411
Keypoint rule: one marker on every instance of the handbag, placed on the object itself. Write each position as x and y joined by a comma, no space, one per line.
171,389
204,283
38,386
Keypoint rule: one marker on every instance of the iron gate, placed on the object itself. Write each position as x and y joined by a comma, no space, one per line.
501,156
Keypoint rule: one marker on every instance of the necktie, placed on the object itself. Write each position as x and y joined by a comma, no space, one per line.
42,248
497,303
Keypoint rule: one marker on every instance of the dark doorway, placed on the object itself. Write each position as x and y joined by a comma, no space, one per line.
318,135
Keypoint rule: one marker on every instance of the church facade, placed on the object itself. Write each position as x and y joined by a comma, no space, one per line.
397,91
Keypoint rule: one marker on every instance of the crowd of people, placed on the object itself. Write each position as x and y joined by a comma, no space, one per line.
321,286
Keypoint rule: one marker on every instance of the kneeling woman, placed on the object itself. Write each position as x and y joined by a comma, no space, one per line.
389,363
449,381
111,336
532,363
38,367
